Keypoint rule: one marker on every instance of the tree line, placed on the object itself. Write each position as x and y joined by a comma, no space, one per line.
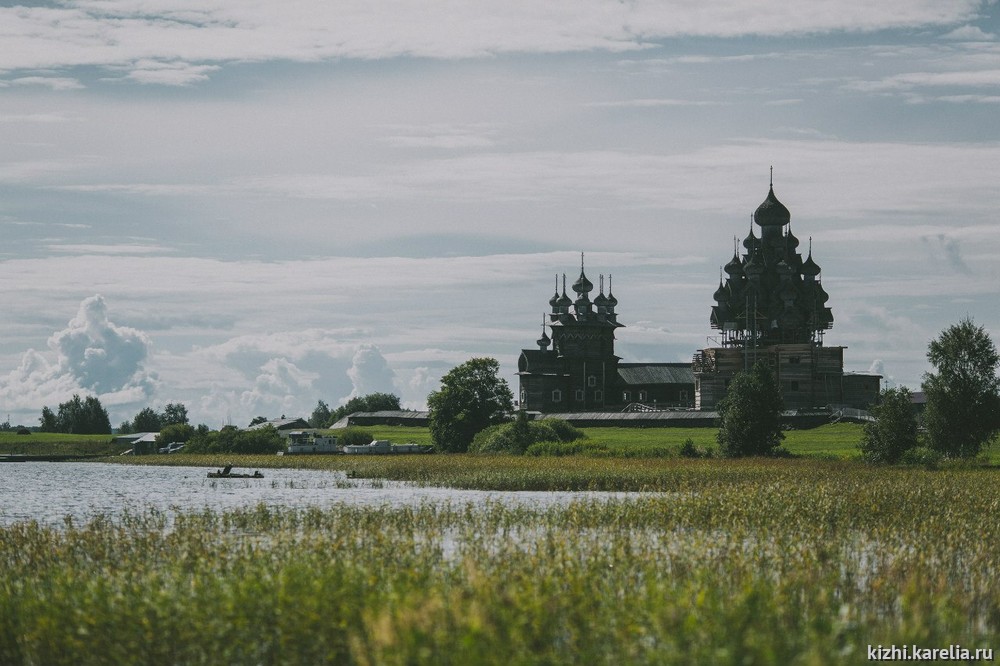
962,413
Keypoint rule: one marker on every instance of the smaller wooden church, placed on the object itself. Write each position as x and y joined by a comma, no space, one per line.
576,369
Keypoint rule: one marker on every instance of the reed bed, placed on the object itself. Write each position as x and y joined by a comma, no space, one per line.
781,562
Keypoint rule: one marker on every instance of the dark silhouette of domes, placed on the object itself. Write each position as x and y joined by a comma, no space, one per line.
772,213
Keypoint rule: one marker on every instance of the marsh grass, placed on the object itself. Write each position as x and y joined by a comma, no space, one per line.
766,563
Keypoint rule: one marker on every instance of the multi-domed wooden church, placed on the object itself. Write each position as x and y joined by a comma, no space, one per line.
770,306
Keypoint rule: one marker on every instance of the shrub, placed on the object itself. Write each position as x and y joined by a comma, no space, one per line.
352,436
920,455
750,414
894,430
689,450
522,435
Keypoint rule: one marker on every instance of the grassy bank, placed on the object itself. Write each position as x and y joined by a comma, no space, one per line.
778,562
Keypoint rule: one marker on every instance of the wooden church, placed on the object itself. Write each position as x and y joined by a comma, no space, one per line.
770,306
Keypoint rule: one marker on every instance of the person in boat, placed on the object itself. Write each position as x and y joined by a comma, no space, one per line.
227,470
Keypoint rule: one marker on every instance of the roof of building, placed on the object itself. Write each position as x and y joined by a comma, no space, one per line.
673,415
771,213
656,373
281,424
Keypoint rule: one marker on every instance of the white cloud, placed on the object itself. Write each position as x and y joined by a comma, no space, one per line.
278,388
653,103
172,31
100,355
370,372
169,73
92,354
53,82
969,33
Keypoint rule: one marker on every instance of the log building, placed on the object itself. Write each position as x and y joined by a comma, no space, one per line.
770,306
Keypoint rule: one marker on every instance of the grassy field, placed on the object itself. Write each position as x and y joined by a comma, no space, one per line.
54,443
837,440
745,562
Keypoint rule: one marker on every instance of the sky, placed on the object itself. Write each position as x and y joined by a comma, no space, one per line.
249,206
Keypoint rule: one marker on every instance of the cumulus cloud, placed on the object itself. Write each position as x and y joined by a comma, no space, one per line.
92,354
278,388
370,372
100,355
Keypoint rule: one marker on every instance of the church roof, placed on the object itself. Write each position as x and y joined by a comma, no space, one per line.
655,373
772,213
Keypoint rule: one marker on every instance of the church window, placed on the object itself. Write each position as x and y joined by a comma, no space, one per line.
626,396
592,381
683,396
579,395
599,395
557,396
642,396
524,397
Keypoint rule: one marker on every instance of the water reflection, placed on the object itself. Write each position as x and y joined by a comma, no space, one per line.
48,492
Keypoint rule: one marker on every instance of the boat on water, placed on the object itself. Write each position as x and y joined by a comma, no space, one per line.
228,473
301,442
385,447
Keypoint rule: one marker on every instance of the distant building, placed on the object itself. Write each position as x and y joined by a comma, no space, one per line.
770,307
282,425
576,369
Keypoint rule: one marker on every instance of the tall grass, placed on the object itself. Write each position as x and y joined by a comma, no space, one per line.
758,563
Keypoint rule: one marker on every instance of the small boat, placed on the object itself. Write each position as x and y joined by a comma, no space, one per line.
228,473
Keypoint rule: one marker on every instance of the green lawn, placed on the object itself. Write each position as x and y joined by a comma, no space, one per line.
55,443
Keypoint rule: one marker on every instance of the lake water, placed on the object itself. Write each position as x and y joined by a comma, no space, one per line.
48,492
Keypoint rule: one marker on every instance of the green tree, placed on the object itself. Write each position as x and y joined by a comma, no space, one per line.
894,430
372,402
231,439
147,420
472,397
963,394
47,422
258,419
750,414
80,417
175,432
321,416
174,412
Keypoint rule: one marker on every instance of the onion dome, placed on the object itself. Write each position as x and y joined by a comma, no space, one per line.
612,301
601,300
554,301
751,242
791,242
821,295
734,267
583,285
809,267
772,213
721,294
544,341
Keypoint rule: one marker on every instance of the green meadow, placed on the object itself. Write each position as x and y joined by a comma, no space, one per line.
55,443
